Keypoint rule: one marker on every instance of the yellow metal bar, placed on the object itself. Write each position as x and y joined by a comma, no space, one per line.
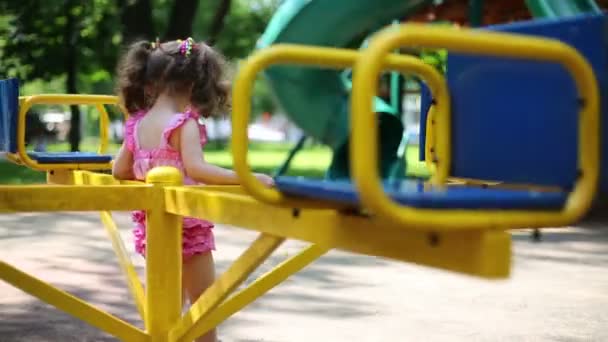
126,265
70,99
236,274
84,177
65,198
60,177
104,127
70,304
483,253
255,290
92,178
25,103
287,202
316,56
163,258
13,158
364,154
78,177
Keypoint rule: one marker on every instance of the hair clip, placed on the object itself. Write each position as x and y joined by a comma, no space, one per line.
185,46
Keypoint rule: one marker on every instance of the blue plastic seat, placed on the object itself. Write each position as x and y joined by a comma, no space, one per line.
70,157
415,193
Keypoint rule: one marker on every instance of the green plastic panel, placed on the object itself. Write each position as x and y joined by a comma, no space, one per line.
317,99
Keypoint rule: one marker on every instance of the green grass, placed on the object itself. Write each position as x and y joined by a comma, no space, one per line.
266,158
15,174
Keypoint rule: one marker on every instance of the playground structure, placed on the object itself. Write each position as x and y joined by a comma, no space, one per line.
548,177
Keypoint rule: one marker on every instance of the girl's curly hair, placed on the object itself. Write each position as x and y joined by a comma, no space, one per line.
148,69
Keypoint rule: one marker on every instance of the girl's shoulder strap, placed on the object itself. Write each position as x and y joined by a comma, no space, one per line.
130,130
178,121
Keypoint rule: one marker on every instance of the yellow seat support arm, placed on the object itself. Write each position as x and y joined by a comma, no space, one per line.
26,102
305,55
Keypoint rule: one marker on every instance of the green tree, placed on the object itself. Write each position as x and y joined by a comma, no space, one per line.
74,41
79,41
242,25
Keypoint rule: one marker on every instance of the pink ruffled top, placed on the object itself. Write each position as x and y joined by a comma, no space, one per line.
197,234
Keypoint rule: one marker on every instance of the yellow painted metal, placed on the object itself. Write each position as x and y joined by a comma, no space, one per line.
83,177
364,132
13,158
316,56
60,177
70,304
475,252
124,260
15,198
484,253
236,274
163,258
26,102
255,290
239,190
104,127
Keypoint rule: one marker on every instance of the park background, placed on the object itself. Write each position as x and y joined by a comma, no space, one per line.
557,292
71,46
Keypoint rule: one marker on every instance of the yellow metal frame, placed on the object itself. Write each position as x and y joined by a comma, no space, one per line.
398,233
478,253
371,61
99,101
70,304
249,294
315,56
135,286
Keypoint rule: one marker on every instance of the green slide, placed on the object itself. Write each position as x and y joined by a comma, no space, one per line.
317,99
561,8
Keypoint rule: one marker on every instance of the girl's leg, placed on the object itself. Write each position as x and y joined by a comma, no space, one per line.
198,275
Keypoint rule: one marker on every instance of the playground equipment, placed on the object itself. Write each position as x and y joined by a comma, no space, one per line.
544,146
461,228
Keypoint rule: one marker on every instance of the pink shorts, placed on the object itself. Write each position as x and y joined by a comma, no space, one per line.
197,235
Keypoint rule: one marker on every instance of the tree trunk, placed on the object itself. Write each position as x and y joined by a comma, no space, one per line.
181,20
71,67
217,24
136,20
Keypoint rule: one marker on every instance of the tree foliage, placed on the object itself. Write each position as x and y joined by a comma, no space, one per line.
38,34
80,41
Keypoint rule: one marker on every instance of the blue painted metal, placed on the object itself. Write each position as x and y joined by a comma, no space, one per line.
70,157
414,193
9,111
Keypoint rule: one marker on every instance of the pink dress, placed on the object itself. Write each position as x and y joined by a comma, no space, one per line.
197,236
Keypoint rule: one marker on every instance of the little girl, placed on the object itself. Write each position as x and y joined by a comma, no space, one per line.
165,87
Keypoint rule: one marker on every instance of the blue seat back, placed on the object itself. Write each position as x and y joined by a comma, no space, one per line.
9,112
517,121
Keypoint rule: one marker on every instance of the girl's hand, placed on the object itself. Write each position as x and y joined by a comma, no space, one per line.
267,180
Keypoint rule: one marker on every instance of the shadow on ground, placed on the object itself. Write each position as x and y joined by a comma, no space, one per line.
71,251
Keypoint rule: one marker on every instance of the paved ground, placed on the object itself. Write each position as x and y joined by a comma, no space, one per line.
558,291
